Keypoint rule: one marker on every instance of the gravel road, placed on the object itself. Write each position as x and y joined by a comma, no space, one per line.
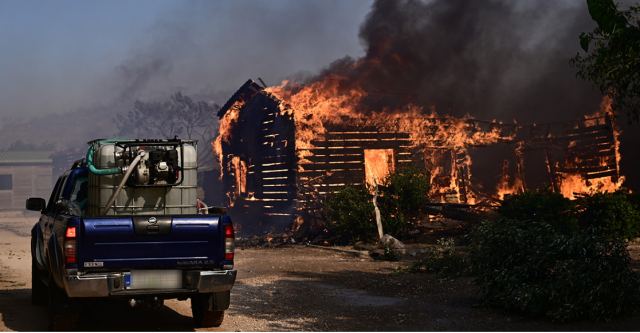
286,288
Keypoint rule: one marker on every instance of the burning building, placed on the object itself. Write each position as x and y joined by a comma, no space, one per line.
283,149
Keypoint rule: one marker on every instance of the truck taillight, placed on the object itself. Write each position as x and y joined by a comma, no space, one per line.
70,254
71,233
229,243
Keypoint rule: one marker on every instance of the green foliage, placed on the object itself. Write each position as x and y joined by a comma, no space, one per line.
394,221
401,199
634,199
611,56
610,215
443,259
350,214
541,267
409,189
546,206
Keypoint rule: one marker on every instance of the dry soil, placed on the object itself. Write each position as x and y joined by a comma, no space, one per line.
286,288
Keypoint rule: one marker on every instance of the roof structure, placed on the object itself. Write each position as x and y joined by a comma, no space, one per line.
25,157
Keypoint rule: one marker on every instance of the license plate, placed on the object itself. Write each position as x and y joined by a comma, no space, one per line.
153,279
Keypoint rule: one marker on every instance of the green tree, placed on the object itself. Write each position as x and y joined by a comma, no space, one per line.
611,57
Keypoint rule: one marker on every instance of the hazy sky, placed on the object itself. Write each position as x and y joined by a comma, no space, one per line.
58,56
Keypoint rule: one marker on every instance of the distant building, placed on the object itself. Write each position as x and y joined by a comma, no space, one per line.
24,174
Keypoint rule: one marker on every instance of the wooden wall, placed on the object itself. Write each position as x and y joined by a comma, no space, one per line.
337,160
264,140
591,150
586,148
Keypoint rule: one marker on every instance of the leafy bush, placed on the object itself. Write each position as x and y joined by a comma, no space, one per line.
401,200
544,264
546,206
350,214
443,259
394,221
610,215
634,199
409,188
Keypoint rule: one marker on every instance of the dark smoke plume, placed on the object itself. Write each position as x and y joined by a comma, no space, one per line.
490,59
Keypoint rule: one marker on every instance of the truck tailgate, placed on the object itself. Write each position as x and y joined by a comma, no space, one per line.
150,242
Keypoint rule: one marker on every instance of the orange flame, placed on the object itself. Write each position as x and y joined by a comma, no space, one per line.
378,164
240,171
573,184
224,133
443,139
316,104
506,186
324,102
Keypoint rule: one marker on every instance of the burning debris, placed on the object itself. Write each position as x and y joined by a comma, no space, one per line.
284,149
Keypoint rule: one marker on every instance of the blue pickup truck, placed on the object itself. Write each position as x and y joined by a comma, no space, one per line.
120,229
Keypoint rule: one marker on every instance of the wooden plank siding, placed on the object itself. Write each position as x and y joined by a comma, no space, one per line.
337,159
263,138
591,150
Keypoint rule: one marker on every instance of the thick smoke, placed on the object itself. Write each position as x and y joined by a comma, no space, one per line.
205,49
209,48
490,59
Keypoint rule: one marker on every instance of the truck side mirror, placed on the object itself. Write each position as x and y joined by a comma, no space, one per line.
36,204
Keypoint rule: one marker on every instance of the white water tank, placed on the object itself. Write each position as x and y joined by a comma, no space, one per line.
176,199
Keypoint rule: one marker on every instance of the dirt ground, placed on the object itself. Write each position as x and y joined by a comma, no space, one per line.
287,288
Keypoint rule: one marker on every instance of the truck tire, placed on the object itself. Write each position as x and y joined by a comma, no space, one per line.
38,288
63,315
203,315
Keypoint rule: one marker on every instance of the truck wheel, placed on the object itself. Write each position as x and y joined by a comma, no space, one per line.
62,313
38,288
203,316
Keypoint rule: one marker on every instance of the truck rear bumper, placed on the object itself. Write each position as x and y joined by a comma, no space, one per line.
96,285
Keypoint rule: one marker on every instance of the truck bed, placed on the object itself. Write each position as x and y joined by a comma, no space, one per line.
150,242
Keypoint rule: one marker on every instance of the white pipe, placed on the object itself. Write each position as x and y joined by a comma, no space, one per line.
133,164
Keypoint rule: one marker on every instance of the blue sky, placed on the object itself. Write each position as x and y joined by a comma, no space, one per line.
83,30
53,52
58,56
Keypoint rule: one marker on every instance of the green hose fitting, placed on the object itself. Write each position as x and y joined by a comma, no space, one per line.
96,171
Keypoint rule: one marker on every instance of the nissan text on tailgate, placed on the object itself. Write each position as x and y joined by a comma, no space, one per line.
122,224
